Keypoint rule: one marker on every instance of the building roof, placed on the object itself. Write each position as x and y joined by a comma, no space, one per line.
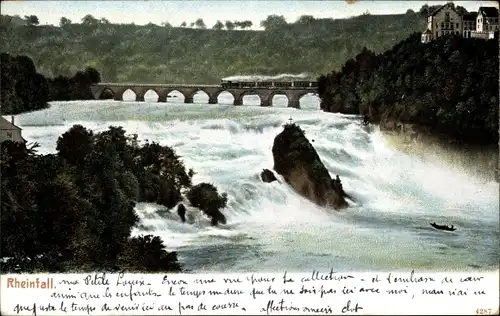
490,12
4,124
470,16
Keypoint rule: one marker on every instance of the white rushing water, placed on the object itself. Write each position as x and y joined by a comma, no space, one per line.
272,228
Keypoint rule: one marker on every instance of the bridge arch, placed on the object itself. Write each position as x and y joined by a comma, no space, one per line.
223,97
201,96
128,94
238,100
150,94
174,95
309,100
278,93
107,93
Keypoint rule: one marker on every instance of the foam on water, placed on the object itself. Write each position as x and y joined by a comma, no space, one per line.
269,225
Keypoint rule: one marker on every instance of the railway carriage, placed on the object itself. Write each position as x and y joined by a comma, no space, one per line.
302,83
283,84
241,84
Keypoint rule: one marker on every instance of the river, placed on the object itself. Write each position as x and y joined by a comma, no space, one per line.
269,226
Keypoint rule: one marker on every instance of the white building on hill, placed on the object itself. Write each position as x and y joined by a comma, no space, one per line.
447,20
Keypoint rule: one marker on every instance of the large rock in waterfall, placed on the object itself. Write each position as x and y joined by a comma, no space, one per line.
298,162
267,176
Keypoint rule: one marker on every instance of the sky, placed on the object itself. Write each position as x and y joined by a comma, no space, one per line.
175,12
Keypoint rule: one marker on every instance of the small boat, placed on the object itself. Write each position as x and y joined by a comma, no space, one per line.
443,227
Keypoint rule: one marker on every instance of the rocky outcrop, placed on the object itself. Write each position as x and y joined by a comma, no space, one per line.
267,176
298,162
181,210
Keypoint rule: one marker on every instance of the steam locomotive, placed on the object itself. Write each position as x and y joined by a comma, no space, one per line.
234,84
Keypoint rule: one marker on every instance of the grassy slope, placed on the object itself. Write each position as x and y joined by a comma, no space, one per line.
130,53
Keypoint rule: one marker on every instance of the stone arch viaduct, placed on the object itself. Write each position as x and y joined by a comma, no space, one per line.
265,94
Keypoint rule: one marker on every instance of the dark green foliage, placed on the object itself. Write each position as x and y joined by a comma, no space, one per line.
74,88
146,254
75,145
24,90
161,174
159,54
448,86
205,197
74,210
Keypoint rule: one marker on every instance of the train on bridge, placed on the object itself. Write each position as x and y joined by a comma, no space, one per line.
241,84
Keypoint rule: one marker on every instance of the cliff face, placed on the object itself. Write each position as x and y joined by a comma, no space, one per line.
298,162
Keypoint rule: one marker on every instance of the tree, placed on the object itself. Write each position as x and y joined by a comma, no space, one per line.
218,25
246,24
206,197
32,20
410,11
200,24
237,24
183,24
22,89
305,19
426,10
93,75
461,10
273,21
229,25
64,22
148,254
75,145
89,20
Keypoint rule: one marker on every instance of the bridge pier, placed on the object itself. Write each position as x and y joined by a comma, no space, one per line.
118,97
162,98
294,104
212,101
238,101
139,98
265,102
188,100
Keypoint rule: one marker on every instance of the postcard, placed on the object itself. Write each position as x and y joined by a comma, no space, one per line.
249,157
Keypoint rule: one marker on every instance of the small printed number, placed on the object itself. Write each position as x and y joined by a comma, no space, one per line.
483,311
